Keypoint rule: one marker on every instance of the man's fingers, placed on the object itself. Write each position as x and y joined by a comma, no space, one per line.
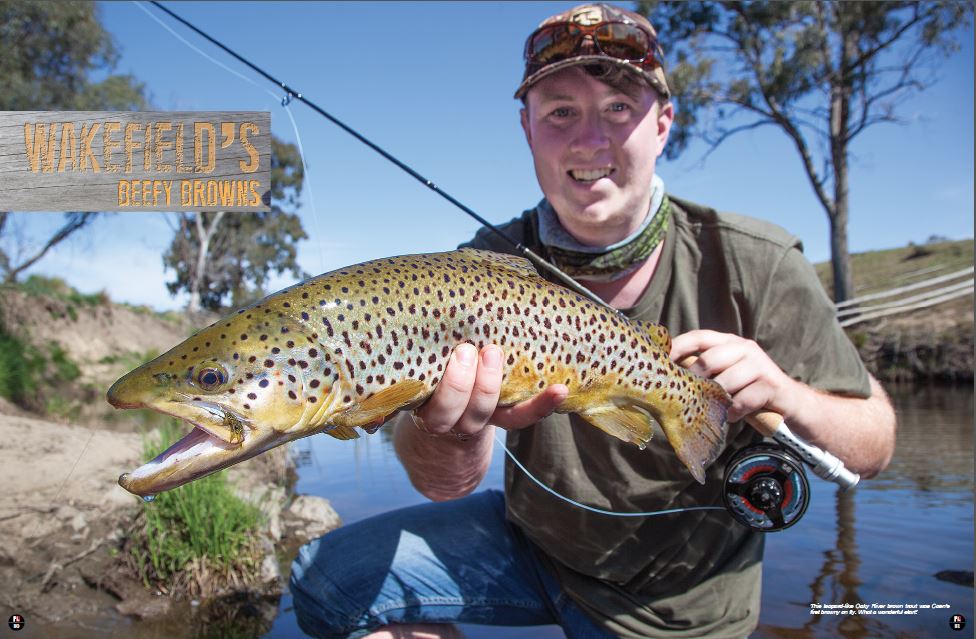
747,401
450,398
717,359
694,342
484,396
531,410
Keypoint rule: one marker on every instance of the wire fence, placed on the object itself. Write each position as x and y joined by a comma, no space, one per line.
932,291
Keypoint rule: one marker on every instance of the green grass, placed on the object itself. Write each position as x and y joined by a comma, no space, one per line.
37,285
876,271
201,523
19,366
31,379
65,370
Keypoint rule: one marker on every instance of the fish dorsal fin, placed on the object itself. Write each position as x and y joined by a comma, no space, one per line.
343,432
514,263
658,334
375,409
627,423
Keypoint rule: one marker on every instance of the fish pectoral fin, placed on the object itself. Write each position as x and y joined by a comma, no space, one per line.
375,409
343,432
628,423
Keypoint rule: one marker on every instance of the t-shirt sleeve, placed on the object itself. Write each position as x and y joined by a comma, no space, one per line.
798,328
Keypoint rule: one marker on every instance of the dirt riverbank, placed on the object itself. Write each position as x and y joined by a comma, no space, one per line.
64,519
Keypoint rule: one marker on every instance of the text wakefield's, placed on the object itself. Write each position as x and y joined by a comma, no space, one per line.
138,160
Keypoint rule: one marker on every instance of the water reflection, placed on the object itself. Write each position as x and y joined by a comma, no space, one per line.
890,538
883,543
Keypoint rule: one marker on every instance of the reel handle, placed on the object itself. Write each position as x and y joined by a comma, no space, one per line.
821,462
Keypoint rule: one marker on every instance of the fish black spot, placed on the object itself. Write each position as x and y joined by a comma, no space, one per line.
263,383
252,396
314,383
292,394
311,400
304,316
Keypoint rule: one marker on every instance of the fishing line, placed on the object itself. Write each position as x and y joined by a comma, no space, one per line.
284,101
91,434
528,253
593,508
311,194
565,279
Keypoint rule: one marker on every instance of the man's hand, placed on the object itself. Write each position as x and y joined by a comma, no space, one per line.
741,367
466,399
861,432
465,404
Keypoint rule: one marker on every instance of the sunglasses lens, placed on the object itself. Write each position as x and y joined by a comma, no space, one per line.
622,41
613,39
552,44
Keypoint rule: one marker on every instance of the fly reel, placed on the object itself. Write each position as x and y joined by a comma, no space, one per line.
766,488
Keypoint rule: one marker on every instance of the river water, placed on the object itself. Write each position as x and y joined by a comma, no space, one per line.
858,564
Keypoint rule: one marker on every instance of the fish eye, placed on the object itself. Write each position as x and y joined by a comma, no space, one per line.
210,378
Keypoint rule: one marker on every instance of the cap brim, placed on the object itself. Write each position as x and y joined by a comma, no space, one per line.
548,70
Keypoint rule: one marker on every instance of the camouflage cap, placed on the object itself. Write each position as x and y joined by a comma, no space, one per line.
591,14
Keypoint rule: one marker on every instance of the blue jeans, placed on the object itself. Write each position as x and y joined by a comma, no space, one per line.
448,562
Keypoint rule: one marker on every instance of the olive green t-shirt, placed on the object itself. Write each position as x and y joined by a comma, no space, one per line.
688,574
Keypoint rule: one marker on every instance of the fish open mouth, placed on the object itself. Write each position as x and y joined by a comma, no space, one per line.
196,454
194,443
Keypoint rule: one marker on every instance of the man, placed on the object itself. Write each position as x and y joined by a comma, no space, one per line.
736,292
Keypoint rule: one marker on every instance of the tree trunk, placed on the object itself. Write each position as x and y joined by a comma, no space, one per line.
840,102
204,235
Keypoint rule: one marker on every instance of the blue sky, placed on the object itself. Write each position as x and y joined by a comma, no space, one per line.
432,83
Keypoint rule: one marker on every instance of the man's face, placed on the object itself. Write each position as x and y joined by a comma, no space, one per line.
595,149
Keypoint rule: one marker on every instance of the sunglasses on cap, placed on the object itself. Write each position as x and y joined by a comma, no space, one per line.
615,39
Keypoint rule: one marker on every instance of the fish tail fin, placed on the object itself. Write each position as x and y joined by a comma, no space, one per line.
697,432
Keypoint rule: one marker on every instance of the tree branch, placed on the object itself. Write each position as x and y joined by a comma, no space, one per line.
75,221
882,45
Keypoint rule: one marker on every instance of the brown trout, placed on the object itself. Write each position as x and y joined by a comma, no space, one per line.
353,347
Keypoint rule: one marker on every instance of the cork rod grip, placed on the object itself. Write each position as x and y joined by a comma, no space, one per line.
823,464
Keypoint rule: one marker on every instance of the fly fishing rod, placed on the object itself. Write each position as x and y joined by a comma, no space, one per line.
565,279
757,489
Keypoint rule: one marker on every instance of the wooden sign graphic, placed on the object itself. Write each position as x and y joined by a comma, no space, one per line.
135,161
